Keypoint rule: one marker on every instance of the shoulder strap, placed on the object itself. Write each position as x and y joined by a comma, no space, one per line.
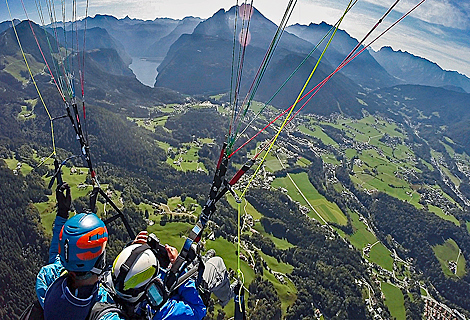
33,312
102,308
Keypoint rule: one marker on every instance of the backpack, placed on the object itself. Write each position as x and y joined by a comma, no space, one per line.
102,308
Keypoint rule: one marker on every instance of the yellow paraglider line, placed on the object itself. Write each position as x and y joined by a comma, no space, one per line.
280,129
34,82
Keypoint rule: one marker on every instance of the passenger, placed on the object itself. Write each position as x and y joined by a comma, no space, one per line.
68,287
137,284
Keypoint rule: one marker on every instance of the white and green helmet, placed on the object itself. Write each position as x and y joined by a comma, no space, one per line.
133,269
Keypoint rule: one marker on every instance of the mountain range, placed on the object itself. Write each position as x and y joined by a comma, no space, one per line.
416,70
197,61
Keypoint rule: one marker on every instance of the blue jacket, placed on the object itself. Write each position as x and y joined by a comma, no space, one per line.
185,305
54,248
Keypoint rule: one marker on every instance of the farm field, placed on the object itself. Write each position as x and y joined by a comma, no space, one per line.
394,300
324,210
439,212
450,251
362,237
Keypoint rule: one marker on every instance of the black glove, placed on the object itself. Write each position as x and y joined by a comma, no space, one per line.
63,201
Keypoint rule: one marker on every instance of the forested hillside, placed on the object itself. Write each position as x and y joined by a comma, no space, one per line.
24,245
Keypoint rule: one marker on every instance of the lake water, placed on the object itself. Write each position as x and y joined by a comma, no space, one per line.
145,69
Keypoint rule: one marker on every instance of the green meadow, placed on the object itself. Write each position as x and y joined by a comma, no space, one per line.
245,206
303,162
171,233
146,207
16,65
327,210
450,251
149,124
439,212
228,251
168,108
448,148
394,301
25,113
381,255
282,244
276,266
317,132
272,162
350,153
377,173
185,158
286,290
330,158
362,237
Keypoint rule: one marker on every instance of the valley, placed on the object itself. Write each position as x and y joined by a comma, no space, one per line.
375,151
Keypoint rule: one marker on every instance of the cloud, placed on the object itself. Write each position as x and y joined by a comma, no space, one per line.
448,13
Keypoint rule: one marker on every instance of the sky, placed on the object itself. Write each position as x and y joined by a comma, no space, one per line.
439,30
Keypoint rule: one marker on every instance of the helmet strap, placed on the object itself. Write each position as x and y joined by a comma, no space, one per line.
126,266
100,264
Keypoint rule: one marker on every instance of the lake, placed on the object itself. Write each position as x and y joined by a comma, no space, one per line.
145,69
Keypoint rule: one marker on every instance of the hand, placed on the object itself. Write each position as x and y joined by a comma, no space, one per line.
141,238
63,201
172,253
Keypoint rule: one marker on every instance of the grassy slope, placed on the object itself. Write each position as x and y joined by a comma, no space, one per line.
317,132
449,251
15,64
439,212
378,254
328,210
394,300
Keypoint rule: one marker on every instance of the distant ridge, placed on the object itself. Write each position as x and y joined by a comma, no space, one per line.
364,69
412,69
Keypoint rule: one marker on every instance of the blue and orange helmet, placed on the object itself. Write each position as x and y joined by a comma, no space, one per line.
82,243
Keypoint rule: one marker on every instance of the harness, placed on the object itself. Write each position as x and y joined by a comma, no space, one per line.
60,303
103,308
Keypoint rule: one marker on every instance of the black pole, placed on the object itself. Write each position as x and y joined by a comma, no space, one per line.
119,214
